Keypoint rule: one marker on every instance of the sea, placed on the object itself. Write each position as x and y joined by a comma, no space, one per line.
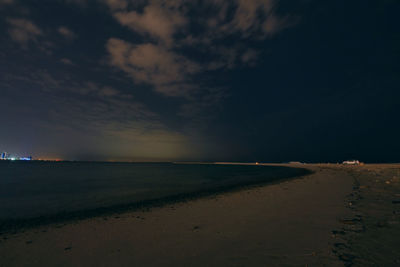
34,190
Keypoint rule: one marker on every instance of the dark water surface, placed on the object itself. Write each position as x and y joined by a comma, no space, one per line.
33,189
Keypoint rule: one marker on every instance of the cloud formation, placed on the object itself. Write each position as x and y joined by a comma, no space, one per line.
66,32
6,2
167,30
66,61
23,30
156,21
153,64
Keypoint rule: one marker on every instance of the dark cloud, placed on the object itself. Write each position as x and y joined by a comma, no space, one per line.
166,24
117,4
95,114
214,80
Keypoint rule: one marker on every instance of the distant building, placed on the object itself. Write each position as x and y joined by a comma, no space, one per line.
351,162
295,162
6,156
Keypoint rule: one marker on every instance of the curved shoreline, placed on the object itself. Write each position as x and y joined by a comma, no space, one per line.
20,224
286,223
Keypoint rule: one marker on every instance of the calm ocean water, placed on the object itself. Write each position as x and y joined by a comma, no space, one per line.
32,189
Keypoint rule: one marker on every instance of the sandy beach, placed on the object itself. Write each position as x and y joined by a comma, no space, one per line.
339,215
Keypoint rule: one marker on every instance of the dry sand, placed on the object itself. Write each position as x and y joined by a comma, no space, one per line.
285,224
371,236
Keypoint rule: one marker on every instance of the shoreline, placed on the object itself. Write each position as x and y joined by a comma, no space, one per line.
21,224
285,223
337,216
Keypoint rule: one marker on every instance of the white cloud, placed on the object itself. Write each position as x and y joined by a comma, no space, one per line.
108,92
274,24
66,32
246,17
6,2
167,23
167,30
153,64
156,20
23,30
66,61
249,56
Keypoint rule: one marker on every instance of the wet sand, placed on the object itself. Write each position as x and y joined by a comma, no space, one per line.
299,222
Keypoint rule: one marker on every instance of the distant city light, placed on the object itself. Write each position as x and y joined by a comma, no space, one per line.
6,156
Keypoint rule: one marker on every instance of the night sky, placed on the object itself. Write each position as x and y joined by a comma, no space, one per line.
211,80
